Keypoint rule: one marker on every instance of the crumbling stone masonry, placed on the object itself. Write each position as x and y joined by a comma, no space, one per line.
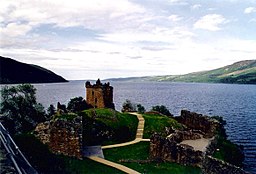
62,136
169,150
99,95
195,121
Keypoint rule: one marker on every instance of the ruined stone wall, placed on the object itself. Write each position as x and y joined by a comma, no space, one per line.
215,166
196,121
62,136
42,132
167,149
179,136
66,137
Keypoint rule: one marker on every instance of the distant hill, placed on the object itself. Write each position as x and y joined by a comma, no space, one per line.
13,72
243,72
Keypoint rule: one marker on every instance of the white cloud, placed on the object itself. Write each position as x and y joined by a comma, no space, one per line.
196,6
210,22
175,18
249,10
14,29
158,34
91,14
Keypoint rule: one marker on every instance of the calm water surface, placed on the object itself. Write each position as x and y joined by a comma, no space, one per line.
236,103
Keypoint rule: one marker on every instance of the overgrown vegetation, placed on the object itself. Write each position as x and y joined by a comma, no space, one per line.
139,154
160,124
104,126
128,106
77,104
161,109
44,161
227,151
21,112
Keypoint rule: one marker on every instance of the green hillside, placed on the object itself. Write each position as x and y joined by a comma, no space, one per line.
243,72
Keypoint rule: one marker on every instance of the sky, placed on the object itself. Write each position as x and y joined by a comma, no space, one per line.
84,39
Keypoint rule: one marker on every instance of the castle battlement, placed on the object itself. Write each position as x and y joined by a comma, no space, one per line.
99,95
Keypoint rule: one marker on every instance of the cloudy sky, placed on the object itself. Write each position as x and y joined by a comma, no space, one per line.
89,39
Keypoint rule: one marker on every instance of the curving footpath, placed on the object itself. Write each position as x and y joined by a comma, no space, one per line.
139,138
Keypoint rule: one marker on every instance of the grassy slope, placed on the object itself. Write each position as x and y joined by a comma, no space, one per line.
122,126
158,123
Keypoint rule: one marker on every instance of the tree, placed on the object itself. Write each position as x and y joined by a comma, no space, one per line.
19,108
162,109
140,109
77,104
51,111
128,106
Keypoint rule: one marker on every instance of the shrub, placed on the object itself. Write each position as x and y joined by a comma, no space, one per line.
77,104
162,109
128,106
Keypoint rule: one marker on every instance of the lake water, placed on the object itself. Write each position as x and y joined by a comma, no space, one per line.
236,103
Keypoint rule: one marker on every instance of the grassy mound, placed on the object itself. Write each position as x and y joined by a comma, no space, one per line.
107,126
158,123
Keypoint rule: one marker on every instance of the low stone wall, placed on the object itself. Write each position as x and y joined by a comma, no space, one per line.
179,136
215,166
167,149
199,122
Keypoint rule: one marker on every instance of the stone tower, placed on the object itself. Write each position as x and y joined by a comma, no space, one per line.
99,95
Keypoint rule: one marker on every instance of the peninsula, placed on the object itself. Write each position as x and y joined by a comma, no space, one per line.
14,72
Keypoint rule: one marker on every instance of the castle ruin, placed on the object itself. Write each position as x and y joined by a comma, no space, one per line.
99,95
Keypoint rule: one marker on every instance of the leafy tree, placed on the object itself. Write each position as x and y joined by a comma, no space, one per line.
19,108
140,109
128,106
162,109
77,104
51,111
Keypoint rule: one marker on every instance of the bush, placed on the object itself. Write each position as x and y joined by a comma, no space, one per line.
51,111
140,109
161,109
77,104
128,106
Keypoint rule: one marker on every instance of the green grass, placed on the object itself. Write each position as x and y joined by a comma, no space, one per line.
140,151
107,126
112,118
158,123
44,161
